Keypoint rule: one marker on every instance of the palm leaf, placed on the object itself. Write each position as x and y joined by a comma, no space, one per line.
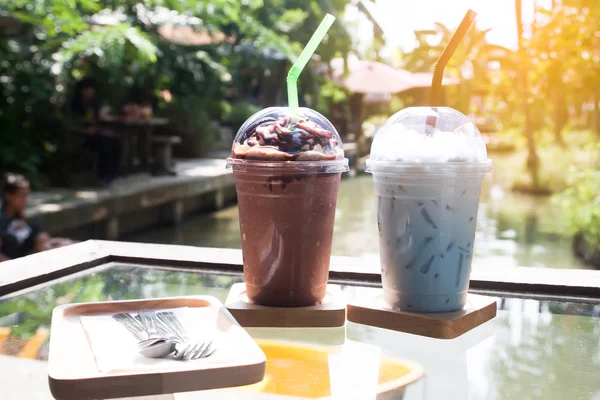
109,44
425,32
265,38
141,42
219,68
477,37
494,52
444,30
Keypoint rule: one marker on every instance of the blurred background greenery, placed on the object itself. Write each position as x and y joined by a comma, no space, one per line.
224,73
209,64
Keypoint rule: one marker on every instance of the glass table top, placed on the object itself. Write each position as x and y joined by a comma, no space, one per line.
532,350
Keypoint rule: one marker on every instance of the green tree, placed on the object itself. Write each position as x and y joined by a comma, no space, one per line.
581,205
62,42
533,161
26,313
565,50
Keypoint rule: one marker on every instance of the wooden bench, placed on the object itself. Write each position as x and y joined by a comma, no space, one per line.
163,154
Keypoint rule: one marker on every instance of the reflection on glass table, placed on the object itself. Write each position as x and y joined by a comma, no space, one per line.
532,350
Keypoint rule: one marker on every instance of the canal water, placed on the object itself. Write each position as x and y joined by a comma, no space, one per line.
512,230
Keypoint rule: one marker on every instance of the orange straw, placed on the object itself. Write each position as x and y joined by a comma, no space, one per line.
438,71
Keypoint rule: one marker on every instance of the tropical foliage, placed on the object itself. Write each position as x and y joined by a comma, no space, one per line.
119,43
546,85
546,89
29,312
581,203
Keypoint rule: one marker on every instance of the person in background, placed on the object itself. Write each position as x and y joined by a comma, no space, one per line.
19,237
142,103
86,115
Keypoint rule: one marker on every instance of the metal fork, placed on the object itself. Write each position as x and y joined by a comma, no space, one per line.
191,351
170,321
132,325
194,351
163,329
148,320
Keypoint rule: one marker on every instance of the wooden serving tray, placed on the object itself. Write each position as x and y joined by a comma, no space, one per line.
74,375
479,309
330,313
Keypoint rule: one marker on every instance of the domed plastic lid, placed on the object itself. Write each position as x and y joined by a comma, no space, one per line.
280,136
440,138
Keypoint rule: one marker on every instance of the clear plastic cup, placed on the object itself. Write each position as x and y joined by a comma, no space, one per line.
428,166
287,165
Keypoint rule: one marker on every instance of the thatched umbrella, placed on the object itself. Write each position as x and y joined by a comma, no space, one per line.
375,77
377,80
188,36
370,76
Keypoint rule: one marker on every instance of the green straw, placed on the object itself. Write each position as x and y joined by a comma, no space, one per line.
311,46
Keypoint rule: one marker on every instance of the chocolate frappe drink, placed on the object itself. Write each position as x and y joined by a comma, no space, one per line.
428,166
287,165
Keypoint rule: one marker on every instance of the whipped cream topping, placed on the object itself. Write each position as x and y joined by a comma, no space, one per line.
428,135
399,144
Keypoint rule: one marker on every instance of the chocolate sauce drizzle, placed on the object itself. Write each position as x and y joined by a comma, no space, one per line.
290,138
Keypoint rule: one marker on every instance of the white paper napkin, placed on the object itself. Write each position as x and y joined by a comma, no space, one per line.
114,347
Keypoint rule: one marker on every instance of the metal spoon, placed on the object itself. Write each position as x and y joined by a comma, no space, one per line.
158,350
137,329
152,342
160,331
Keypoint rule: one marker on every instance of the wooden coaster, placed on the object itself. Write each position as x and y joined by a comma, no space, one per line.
330,313
478,310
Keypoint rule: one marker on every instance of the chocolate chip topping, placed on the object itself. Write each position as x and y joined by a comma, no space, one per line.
282,139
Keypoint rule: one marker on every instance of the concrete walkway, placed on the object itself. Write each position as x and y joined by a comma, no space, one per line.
61,211
136,202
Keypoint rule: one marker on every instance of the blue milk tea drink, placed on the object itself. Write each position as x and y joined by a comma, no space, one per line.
428,165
